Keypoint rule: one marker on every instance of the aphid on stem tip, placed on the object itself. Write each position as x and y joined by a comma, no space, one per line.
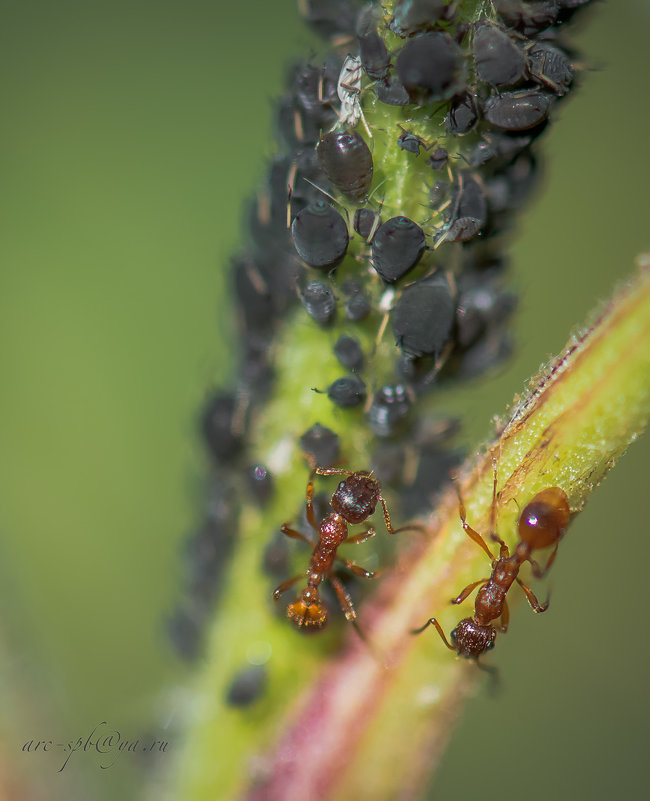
353,502
542,524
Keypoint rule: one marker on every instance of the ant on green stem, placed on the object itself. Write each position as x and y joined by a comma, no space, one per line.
353,501
542,524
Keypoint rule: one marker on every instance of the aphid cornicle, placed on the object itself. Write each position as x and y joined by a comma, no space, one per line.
542,524
353,501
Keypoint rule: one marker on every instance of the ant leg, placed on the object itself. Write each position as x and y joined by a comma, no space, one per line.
433,622
537,571
532,600
389,527
357,569
468,591
285,585
493,673
503,548
473,535
505,616
333,471
295,535
344,599
365,535
311,517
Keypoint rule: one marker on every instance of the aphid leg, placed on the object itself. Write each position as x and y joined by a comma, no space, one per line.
277,592
537,571
532,600
468,591
474,535
433,622
505,616
389,527
362,537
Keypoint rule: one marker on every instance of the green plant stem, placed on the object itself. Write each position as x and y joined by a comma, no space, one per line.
344,727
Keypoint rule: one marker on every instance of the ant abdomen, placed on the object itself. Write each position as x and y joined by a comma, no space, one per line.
308,611
544,520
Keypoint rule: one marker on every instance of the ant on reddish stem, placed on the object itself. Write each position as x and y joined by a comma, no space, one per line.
353,502
541,524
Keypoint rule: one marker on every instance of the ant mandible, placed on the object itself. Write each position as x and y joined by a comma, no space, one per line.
353,502
541,524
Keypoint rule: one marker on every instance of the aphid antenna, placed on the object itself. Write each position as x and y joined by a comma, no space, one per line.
379,185
332,198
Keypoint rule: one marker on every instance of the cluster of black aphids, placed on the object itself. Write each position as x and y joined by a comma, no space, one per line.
320,235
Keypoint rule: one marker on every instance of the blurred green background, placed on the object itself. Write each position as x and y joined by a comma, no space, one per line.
132,133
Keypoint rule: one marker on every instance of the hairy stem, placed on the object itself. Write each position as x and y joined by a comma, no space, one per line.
345,727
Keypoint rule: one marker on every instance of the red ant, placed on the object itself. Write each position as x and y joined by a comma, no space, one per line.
353,502
542,523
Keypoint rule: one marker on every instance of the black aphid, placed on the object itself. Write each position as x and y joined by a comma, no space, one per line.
366,222
423,317
315,90
551,66
499,61
320,235
397,247
347,162
259,483
222,431
390,405
349,352
392,91
431,67
319,302
517,111
247,686
463,114
410,142
438,158
254,300
469,209
528,17
416,15
185,629
322,444
373,53
357,305
347,391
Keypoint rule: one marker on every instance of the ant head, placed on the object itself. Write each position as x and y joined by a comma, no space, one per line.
544,520
355,498
308,611
471,639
